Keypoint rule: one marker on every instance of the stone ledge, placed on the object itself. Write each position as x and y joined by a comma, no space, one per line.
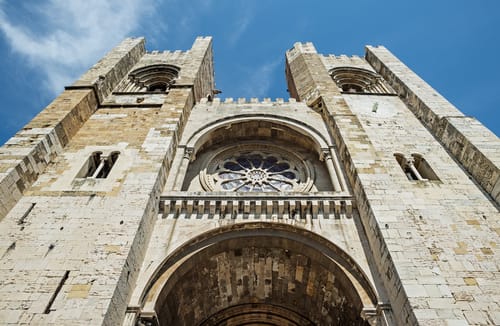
292,206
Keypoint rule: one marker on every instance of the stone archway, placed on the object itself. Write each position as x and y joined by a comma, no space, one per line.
265,131
259,274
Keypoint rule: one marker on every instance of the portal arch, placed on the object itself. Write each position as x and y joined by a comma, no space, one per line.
261,272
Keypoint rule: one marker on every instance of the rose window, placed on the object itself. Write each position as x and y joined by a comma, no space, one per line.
257,170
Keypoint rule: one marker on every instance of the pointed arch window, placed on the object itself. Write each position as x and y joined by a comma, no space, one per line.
423,167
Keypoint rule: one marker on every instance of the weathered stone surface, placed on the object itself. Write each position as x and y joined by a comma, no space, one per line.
72,248
472,144
418,230
363,236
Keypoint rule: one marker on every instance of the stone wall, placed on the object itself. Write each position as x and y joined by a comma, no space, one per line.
432,241
473,145
25,156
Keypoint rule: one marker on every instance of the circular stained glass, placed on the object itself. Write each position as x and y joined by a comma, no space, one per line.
256,168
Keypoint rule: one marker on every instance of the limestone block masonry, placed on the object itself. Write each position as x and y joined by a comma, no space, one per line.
71,250
139,198
433,239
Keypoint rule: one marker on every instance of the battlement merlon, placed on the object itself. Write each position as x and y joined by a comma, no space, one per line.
303,47
246,101
110,70
198,71
306,75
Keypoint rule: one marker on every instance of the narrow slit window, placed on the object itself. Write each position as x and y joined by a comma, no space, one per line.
48,308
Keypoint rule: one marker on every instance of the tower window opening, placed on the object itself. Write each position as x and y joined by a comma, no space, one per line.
153,78
98,166
407,167
352,88
158,88
423,167
410,174
358,80
416,168
90,166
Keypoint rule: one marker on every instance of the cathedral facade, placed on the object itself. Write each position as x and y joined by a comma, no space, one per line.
138,197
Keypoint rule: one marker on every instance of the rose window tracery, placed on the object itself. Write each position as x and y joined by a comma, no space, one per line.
257,168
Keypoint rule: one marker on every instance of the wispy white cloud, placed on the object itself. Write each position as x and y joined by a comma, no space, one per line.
69,36
191,11
259,81
240,28
241,22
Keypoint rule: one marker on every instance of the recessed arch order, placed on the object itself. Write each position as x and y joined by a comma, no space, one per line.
200,137
340,282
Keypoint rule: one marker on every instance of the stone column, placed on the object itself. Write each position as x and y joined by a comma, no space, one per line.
181,173
414,170
327,157
340,176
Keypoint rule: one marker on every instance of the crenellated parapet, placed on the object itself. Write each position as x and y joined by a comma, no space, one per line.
243,100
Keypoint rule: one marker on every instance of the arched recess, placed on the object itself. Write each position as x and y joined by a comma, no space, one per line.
204,137
262,273
262,129
358,80
151,78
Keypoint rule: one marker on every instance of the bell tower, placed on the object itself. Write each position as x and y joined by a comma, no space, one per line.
81,184
425,180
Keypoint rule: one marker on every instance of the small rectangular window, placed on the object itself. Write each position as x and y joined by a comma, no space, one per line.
416,168
98,166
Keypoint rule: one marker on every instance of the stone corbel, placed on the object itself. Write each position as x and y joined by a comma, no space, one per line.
370,315
381,315
189,154
148,318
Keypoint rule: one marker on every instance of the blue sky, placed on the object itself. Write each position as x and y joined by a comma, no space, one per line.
452,44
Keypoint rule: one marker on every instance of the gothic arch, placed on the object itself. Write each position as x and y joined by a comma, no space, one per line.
258,270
